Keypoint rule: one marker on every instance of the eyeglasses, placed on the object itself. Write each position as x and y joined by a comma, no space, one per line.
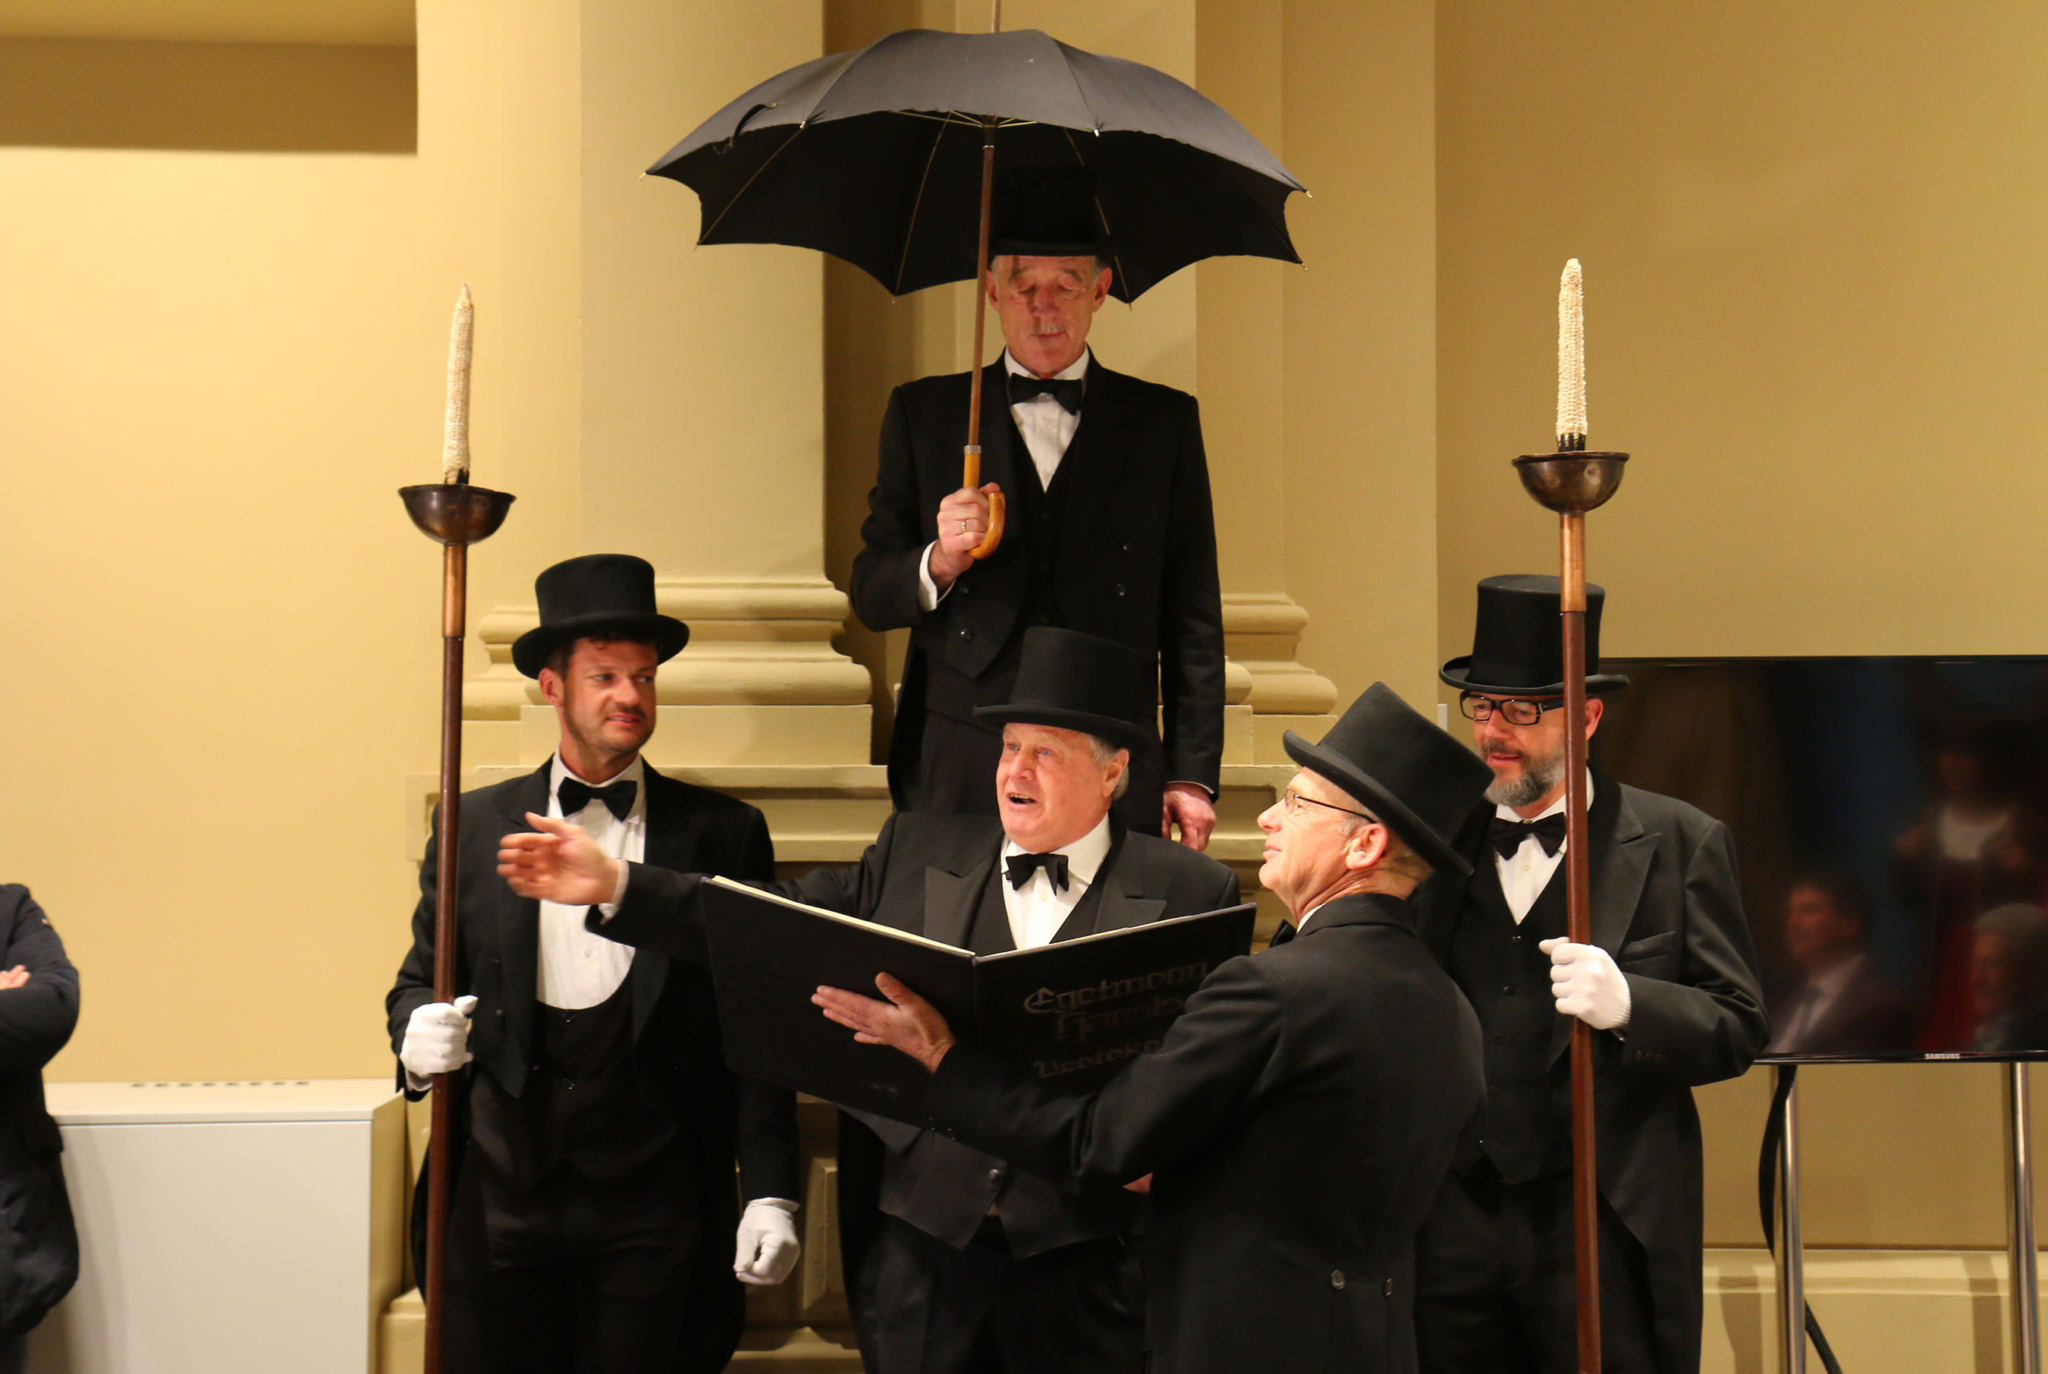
1514,710
1295,801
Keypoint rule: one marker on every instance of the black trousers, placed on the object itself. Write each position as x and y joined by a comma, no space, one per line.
580,1277
936,1310
957,774
1495,1285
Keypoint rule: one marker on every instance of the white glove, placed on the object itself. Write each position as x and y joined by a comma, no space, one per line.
436,1040
1587,984
766,1247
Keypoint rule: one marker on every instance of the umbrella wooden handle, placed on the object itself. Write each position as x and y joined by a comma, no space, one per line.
994,536
970,477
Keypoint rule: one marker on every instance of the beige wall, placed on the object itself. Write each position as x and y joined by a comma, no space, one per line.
219,627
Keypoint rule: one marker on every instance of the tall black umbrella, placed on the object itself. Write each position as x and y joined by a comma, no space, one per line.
885,156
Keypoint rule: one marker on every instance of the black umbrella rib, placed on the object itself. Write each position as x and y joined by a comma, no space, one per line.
1108,229
910,228
705,233
963,118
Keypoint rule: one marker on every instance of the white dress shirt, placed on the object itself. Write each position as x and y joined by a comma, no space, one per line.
1047,426
1036,910
1526,872
576,968
1819,998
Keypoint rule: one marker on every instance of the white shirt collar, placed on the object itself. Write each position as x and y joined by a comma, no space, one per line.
1071,372
1084,856
1556,808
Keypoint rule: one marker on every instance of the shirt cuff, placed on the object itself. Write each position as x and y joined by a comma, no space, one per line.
928,594
607,910
1190,782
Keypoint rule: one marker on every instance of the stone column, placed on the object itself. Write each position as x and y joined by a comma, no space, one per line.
652,397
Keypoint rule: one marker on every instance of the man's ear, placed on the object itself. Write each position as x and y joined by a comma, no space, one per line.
1101,287
1367,846
1595,708
551,686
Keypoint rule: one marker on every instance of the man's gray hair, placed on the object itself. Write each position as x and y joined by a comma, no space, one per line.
1105,754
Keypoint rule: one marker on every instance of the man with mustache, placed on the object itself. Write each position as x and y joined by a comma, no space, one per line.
1669,982
1108,531
594,1217
978,1267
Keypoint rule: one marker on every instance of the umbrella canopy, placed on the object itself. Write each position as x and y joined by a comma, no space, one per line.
874,156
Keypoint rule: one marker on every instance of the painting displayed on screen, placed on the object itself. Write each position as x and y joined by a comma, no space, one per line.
1891,822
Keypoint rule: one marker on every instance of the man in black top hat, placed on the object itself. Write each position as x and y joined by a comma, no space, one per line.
1299,1114
1109,530
1669,982
593,1193
979,1267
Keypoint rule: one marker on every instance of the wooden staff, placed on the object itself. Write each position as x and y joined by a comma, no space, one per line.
1572,482
458,515
455,514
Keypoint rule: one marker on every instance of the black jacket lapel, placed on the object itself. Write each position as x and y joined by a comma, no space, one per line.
950,899
665,848
519,921
1618,851
1121,904
1093,464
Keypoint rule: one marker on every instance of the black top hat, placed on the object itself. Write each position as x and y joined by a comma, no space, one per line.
1076,682
1403,769
1049,212
600,595
1518,641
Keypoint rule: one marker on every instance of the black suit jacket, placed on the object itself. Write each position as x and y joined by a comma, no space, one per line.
1296,1122
926,873
678,1059
38,1246
1136,555
1667,906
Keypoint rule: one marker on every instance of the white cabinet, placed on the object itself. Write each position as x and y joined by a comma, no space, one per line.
228,1227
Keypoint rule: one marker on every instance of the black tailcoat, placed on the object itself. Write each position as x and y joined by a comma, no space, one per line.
1132,558
678,1059
38,1245
1667,906
1296,1122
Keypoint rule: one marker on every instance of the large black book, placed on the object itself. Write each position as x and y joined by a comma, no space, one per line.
1072,1012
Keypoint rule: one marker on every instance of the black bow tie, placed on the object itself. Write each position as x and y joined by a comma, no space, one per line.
1019,868
617,798
1281,936
1507,835
1067,391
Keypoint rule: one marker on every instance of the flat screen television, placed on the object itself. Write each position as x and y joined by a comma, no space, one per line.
1891,822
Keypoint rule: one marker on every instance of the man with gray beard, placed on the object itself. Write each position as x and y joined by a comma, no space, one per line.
1669,982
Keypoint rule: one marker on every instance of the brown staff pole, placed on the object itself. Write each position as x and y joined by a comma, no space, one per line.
1572,483
457,515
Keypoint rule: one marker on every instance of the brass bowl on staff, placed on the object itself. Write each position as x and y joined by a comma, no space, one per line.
1566,482
456,512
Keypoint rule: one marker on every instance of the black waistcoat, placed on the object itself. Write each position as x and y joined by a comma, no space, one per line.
581,1104
1032,526
1507,979
947,1189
